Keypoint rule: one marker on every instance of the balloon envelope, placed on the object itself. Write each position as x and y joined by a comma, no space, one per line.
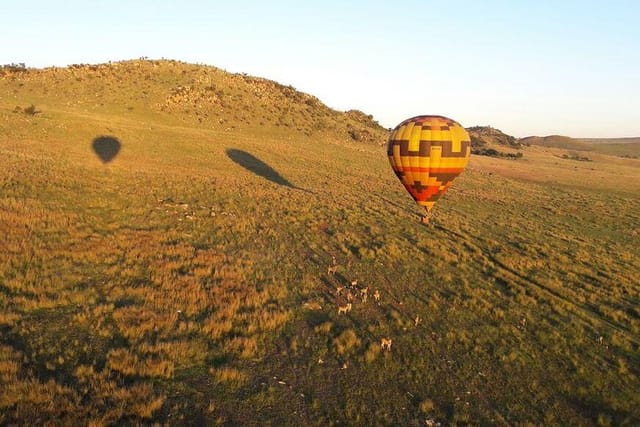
426,154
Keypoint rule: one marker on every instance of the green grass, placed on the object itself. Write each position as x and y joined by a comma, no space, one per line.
176,285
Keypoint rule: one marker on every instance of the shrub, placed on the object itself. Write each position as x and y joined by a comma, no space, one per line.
347,341
355,134
19,67
372,352
30,110
576,156
229,376
492,152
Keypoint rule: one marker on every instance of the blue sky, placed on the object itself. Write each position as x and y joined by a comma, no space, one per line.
527,67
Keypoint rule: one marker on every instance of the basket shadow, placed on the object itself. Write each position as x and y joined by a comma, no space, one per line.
258,167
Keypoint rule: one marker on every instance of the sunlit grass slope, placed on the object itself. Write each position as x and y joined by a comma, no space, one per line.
186,281
622,147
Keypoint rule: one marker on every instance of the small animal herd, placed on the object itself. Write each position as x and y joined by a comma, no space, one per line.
351,292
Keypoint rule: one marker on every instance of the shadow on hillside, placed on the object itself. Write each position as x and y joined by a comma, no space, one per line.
106,147
260,168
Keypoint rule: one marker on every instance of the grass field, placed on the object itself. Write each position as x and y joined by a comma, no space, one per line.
621,147
186,281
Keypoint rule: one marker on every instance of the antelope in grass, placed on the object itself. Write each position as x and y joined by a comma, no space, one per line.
349,296
331,270
364,293
376,295
385,344
344,309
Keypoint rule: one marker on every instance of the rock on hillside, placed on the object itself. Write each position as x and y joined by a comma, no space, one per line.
187,94
488,141
481,136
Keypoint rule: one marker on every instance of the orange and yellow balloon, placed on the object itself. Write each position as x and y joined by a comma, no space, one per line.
427,153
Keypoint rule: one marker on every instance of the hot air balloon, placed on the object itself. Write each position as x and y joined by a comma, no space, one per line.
427,153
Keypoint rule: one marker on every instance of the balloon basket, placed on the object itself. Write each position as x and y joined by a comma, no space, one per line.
426,218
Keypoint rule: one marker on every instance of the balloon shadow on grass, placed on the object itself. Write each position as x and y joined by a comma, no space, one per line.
106,147
260,168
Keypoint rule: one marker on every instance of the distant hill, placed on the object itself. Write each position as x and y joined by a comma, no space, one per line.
622,147
630,140
557,141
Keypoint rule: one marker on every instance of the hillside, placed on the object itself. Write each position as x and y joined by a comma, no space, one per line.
181,94
191,273
621,147
489,141
557,141
485,135
630,140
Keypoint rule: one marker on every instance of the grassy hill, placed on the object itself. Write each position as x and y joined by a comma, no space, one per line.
621,147
186,281
488,141
611,140
485,135
179,94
